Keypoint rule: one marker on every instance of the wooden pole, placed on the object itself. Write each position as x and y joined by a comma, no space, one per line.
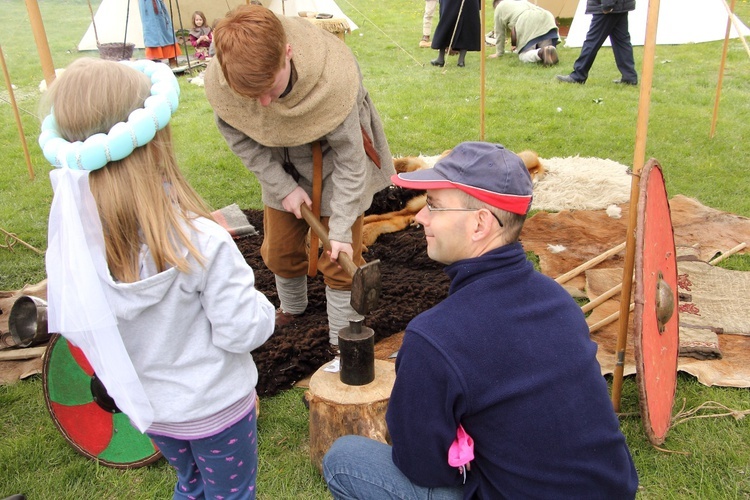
602,298
21,354
639,155
93,23
609,319
482,75
721,73
728,253
564,278
40,37
19,124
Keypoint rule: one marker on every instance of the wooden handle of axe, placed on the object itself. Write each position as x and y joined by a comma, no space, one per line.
344,260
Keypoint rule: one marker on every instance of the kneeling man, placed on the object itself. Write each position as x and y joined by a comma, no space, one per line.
498,393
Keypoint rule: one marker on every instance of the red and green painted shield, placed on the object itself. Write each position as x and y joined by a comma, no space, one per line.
657,340
85,415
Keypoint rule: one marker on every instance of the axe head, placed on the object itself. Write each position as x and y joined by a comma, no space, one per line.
366,287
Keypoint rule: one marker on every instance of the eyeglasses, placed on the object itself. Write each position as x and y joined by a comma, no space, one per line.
438,209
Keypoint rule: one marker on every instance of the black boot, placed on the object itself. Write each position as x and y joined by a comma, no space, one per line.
440,61
461,56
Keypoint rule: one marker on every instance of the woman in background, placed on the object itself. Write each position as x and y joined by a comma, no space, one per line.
158,32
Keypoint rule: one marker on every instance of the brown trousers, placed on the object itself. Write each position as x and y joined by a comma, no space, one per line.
284,248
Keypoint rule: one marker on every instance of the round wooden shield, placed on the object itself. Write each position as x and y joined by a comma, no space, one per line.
656,322
85,414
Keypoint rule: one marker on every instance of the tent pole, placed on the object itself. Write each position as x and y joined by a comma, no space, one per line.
93,23
40,36
482,75
19,124
721,72
639,155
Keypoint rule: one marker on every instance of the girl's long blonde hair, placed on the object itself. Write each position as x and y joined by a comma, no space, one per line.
143,198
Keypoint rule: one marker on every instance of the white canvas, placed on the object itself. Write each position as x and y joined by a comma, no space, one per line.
680,21
110,17
110,21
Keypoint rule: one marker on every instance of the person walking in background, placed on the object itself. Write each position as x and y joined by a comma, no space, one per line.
289,100
498,392
533,31
459,28
158,32
610,19
429,13
153,291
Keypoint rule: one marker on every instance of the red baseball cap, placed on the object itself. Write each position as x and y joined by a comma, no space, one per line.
488,172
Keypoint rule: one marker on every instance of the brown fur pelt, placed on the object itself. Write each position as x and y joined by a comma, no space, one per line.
394,208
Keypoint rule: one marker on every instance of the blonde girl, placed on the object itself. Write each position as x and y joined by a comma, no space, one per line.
140,277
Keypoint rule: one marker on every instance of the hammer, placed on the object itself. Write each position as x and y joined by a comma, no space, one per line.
365,279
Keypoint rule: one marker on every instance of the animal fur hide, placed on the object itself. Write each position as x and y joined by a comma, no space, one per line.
586,234
576,183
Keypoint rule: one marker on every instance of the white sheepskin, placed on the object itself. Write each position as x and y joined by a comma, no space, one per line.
576,183
556,248
614,212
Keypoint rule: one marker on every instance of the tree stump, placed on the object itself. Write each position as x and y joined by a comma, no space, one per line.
338,409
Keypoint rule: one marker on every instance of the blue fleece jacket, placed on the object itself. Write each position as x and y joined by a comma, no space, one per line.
508,355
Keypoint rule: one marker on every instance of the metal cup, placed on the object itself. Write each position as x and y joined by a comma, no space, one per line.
28,321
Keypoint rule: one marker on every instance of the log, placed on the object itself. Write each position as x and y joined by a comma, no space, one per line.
338,409
589,264
25,353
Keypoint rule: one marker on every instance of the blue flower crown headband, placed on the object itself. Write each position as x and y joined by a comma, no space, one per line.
124,137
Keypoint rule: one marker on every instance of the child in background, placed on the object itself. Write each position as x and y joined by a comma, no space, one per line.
140,277
201,36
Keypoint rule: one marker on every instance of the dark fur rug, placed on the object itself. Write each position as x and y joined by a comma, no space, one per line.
411,283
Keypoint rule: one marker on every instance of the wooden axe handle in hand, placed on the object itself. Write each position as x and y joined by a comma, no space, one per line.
344,260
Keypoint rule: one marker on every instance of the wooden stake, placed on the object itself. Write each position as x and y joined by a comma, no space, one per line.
93,23
609,319
728,253
721,73
641,131
40,36
602,298
19,124
19,354
482,75
564,278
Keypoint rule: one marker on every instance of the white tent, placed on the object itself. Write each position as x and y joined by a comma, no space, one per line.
294,7
680,21
110,17
110,21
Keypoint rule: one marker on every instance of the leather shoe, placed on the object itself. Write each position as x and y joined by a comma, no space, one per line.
284,318
620,81
568,79
461,64
548,55
437,62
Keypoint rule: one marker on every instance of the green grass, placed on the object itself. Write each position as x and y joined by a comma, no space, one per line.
425,110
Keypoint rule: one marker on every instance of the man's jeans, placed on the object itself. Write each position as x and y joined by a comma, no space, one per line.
360,468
